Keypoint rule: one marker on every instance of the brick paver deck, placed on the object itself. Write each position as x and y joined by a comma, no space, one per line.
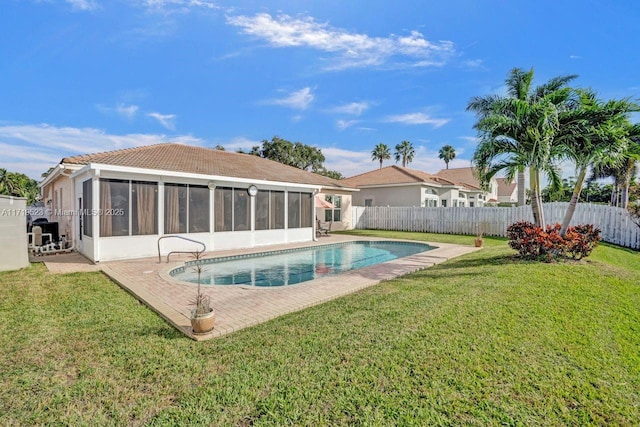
238,306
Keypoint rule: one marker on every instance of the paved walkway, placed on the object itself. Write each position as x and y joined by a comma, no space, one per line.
237,307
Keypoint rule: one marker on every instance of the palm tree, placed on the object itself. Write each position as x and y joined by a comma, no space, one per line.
405,152
518,132
381,153
594,134
519,87
447,153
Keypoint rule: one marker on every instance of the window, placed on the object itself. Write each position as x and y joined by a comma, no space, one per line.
198,209
144,205
223,209
300,210
431,203
294,210
269,210
114,206
87,198
186,208
241,210
335,213
175,208
128,208
470,204
233,209
444,203
276,212
368,202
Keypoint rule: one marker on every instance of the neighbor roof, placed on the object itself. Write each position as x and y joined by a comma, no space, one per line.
393,175
461,176
506,188
206,161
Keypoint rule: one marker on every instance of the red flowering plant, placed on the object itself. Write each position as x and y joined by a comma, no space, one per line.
548,245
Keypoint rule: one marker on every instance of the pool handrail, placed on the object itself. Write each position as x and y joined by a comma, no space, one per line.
204,247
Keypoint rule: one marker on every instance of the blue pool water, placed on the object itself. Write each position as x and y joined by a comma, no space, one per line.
288,267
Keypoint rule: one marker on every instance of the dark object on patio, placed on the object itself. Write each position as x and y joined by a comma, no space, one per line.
323,228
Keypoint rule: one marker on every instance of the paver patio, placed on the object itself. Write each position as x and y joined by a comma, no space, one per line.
239,306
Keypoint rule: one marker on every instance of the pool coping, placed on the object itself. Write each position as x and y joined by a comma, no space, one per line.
241,306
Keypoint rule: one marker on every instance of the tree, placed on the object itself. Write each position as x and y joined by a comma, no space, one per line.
19,185
519,87
594,133
331,174
297,154
405,152
381,153
219,147
518,132
447,153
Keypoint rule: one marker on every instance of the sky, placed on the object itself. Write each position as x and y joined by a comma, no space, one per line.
86,76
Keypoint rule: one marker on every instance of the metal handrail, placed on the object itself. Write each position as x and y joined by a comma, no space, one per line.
204,247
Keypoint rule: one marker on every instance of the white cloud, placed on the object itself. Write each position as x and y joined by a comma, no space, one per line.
575,57
32,149
416,119
166,120
84,5
299,100
126,111
344,124
178,6
350,49
353,108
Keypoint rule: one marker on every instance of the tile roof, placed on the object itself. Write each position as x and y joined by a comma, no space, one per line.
206,161
461,176
393,175
505,189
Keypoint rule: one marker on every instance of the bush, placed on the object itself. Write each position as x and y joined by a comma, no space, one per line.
533,242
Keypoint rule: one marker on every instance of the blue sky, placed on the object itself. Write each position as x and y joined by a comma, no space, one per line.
83,76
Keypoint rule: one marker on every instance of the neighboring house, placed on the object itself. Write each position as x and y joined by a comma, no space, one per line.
116,204
507,191
398,186
466,178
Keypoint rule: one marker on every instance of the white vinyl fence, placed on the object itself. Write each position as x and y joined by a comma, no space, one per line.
615,223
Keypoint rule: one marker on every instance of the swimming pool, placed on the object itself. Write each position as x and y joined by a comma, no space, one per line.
291,266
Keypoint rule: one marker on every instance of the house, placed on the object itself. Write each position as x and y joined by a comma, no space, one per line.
507,192
401,186
466,178
117,204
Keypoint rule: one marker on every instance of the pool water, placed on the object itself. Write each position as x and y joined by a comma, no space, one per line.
288,267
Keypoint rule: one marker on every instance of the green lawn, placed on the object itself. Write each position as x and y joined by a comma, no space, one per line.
482,339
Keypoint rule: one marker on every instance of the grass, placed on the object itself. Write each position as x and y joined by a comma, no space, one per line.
481,340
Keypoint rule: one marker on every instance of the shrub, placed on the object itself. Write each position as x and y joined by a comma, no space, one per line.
533,242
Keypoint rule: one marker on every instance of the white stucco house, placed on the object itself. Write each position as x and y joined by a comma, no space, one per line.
507,192
117,204
401,186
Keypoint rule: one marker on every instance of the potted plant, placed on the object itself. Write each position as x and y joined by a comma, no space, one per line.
202,316
478,241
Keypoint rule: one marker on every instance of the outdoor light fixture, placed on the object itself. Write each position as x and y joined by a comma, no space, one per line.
253,190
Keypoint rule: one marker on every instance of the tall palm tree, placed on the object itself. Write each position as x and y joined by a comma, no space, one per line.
594,133
519,86
405,152
517,131
381,153
447,153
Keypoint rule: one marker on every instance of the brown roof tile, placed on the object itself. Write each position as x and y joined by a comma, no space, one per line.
461,176
393,175
505,188
206,161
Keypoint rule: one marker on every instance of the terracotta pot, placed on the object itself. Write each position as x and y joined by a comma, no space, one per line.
478,242
203,323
